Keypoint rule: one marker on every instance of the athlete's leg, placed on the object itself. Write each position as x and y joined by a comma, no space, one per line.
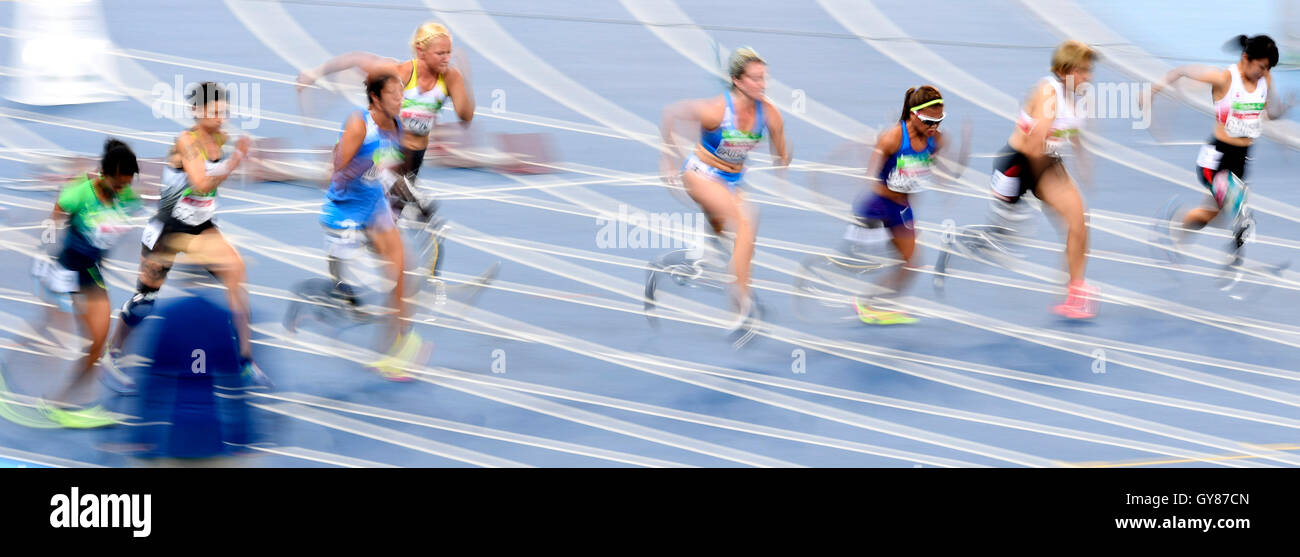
724,213
212,250
154,266
1057,190
94,313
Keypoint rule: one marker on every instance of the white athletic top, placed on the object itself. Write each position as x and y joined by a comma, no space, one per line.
1238,110
420,109
1064,126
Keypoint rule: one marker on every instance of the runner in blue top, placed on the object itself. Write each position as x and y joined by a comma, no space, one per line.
730,127
367,161
900,165
98,209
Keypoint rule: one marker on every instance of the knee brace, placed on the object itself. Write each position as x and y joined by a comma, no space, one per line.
140,305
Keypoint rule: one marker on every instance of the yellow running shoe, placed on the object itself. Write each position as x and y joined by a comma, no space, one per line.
407,350
873,316
80,418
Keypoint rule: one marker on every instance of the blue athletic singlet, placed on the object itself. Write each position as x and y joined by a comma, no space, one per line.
908,170
355,203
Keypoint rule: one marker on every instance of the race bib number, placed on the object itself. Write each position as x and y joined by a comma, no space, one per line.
1209,157
1055,147
1243,125
735,150
195,210
151,232
908,180
417,122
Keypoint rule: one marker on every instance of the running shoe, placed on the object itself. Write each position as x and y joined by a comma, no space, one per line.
113,377
409,349
1080,302
743,316
78,418
876,316
254,375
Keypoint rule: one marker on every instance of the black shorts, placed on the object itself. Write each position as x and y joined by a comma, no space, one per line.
1013,176
89,275
1229,157
174,239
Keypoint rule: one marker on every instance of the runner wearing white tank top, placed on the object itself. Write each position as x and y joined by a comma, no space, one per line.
1242,94
1031,162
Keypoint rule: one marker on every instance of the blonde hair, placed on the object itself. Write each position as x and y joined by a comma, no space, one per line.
426,33
740,59
1070,55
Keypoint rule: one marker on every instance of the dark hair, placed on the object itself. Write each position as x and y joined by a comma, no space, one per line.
375,85
916,96
207,92
118,159
1255,48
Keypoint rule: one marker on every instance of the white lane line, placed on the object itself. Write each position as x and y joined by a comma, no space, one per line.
44,460
467,429
322,457
361,355
630,290
392,436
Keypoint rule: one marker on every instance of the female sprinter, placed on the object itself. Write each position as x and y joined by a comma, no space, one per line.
185,223
901,165
98,209
366,161
1242,93
731,125
1032,163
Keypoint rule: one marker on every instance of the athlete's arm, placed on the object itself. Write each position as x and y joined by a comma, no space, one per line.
462,96
887,143
1218,78
1273,105
1043,105
703,111
371,64
776,131
195,165
953,167
354,133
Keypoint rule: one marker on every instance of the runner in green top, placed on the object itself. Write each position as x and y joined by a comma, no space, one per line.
98,210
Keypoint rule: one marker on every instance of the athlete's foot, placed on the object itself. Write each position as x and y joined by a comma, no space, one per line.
872,315
113,377
254,375
77,418
1080,303
744,313
409,350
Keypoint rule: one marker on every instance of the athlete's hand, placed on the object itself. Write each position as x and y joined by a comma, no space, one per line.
241,145
306,79
461,62
670,170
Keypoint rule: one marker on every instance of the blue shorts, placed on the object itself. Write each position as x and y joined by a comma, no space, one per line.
360,213
885,210
729,179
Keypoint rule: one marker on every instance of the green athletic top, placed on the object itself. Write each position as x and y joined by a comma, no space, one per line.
96,226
